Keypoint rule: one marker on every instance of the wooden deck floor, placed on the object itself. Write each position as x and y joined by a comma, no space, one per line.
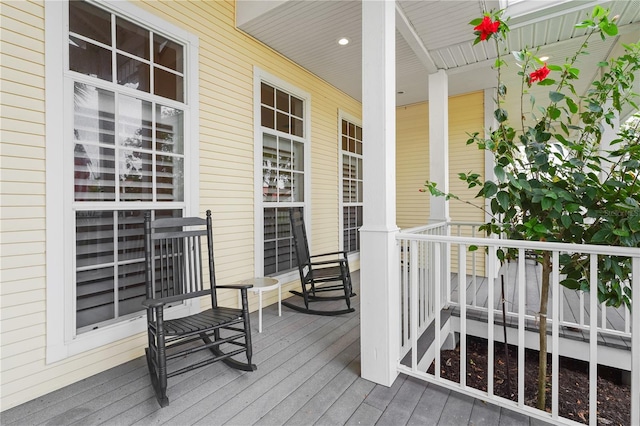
308,373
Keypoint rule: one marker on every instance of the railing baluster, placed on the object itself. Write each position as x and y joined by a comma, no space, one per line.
414,304
522,292
490,322
555,331
437,278
462,298
475,270
593,339
635,344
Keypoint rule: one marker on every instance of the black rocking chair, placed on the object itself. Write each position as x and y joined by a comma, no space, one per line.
319,273
174,274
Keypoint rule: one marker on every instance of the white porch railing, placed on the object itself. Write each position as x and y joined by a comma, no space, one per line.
435,260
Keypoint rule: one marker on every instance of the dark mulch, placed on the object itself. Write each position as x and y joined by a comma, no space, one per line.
614,397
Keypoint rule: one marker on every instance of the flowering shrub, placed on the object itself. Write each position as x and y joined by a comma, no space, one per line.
553,182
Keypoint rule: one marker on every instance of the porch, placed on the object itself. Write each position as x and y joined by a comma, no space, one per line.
308,373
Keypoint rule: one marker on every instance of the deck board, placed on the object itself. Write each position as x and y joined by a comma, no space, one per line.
308,373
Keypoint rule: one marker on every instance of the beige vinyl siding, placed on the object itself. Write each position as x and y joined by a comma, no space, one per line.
412,165
22,217
466,115
226,146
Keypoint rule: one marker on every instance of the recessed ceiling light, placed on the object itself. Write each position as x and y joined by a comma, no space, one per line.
343,41
544,58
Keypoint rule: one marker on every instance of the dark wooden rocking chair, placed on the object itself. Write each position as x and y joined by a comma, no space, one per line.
327,272
174,273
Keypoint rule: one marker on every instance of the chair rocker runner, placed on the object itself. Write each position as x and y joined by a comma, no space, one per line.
174,274
327,272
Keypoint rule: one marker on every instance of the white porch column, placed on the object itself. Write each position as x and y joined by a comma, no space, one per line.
379,253
439,143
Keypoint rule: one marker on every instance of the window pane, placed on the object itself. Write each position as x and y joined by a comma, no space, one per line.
133,73
132,39
282,101
94,112
282,122
297,187
268,119
298,156
169,178
134,129
269,224
284,154
131,276
168,85
94,296
135,176
267,95
297,107
169,130
167,53
297,127
284,186
89,59
94,173
90,21
279,255
94,238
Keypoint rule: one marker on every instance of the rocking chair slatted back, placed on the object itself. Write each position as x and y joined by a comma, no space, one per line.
175,257
319,274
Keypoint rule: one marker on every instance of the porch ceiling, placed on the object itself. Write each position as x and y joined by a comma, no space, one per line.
431,35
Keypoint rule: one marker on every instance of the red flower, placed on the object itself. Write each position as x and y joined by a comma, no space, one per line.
487,27
539,74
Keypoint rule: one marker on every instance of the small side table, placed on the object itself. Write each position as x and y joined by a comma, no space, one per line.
260,285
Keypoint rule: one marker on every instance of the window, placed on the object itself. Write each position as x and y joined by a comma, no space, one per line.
126,95
283,138
351,142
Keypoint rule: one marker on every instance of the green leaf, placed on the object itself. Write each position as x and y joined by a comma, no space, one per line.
489,189
501,115
473,248
546,82
572,105
554,113
556,96
566,221
609,28
621,232
476,22
547,203
554,67
540,229
519,55
503,199
499,172
570,283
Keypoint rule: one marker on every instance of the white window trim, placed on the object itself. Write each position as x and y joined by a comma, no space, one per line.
62,341
259,76
342,115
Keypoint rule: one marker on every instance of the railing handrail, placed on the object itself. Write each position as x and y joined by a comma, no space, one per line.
524,244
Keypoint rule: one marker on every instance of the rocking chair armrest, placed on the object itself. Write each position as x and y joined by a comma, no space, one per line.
333,253
236,286
161,301
329,262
